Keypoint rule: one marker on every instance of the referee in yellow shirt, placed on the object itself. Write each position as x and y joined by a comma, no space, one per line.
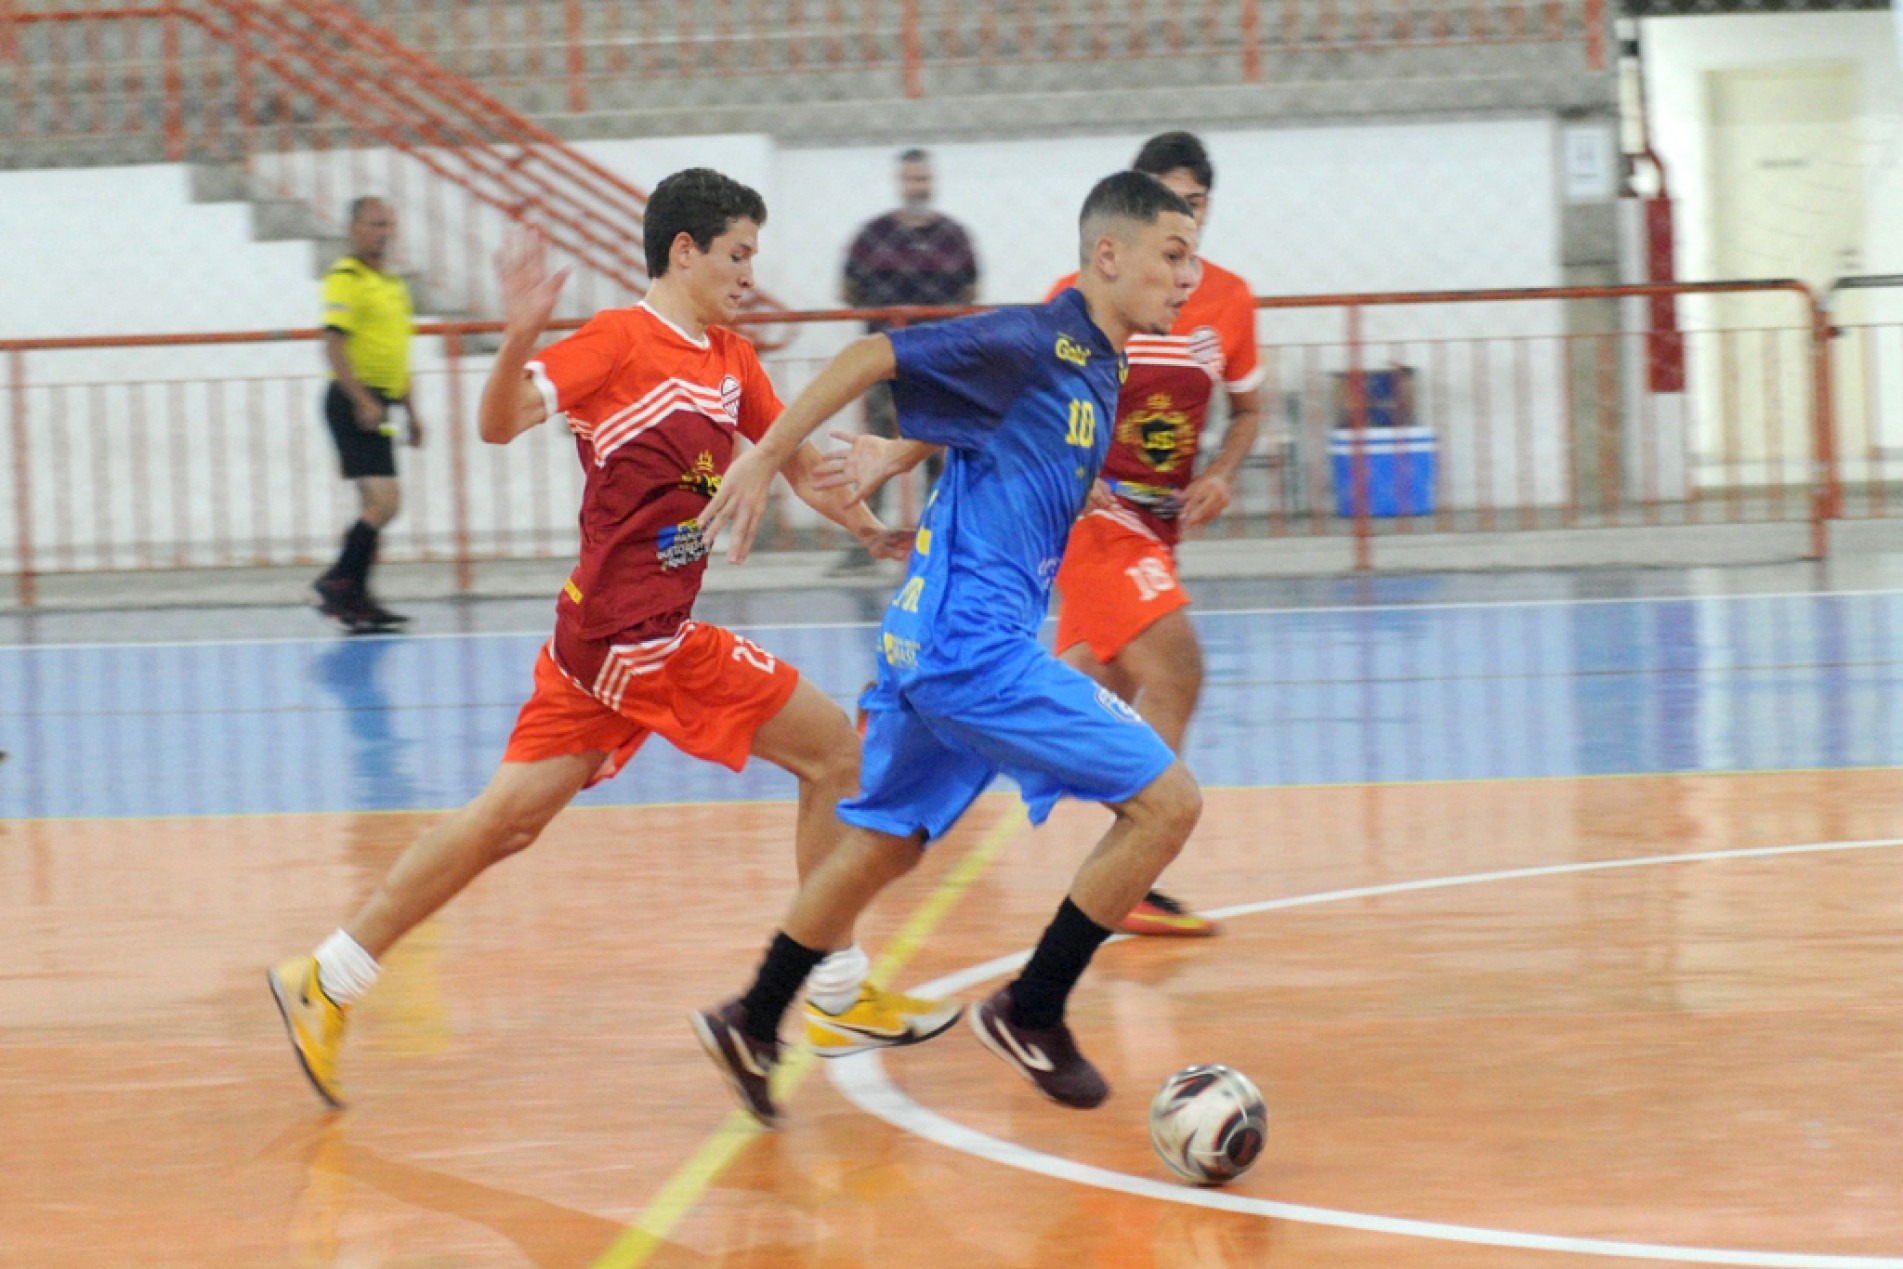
368,321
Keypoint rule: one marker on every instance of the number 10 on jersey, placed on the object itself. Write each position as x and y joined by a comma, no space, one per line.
1083,424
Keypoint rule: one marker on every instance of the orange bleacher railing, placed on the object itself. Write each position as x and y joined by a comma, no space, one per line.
1528,426
278,90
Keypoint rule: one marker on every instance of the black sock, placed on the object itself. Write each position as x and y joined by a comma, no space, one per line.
1062,955
786,966
360,549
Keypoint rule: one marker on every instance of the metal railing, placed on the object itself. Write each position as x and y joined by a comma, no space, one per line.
278,93
1512,422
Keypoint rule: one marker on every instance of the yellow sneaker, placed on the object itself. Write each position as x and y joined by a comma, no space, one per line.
315,1022
879,1019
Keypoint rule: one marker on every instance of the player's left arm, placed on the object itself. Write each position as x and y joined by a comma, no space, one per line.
840,505
741,498
1209,495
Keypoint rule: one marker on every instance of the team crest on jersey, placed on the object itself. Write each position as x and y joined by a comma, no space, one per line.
680,545
1205,347
1117,707
705,478
1158,431
730,398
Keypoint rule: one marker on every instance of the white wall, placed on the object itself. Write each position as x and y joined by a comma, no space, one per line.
1679,53
1301,211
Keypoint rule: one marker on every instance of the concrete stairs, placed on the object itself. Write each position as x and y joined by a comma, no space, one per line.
278,219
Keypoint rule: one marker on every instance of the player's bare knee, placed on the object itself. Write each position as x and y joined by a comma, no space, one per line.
510,825
1176,803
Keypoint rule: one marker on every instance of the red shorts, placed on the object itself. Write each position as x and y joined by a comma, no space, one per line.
1115,582
703,689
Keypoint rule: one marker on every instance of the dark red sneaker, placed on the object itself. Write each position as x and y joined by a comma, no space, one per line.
1049,1059
747,1063
335,598
377,616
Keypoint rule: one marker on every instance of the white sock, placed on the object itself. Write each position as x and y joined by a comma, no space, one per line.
834,983
344,970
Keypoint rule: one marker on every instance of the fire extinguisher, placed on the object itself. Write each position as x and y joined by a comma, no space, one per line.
1664,342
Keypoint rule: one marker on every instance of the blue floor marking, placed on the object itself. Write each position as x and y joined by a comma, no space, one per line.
1342,695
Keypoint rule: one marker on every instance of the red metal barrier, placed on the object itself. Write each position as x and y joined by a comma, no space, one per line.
1524,424
1755,487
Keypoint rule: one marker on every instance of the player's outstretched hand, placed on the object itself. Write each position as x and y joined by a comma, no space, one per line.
741,502
529,290
866,464
1206,498
1100,498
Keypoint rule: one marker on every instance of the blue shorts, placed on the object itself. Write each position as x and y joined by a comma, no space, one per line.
937,735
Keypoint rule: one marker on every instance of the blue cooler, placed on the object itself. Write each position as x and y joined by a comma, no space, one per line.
1401,469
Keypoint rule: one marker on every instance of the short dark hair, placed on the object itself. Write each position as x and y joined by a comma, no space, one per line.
914,155
358,206
1136,196
700,203
1168,151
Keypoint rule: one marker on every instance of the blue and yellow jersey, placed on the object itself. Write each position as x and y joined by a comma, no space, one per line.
1025,400
373,312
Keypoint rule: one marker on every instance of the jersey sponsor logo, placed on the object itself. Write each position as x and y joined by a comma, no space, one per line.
704,479
1069,350
1158,431
1158,500
900,653
1117,707
680,545
730,399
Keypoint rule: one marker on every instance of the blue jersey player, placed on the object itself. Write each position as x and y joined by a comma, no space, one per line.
1024,401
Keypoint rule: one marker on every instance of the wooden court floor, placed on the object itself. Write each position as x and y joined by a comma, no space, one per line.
1564,1022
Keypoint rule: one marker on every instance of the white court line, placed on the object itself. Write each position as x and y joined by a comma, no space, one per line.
862,1080
755,627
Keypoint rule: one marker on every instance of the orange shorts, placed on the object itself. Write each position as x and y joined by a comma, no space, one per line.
704,689
1115,582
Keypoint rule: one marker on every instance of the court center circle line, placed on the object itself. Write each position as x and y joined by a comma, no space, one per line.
861,1079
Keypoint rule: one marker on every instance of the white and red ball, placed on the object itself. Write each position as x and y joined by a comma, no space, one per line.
1208,1123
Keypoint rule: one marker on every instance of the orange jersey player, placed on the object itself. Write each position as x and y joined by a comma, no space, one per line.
1121,617
654,395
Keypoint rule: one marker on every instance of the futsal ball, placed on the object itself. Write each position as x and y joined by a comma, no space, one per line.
1207,1123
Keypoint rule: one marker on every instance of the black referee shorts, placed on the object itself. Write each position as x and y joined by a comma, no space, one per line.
360,453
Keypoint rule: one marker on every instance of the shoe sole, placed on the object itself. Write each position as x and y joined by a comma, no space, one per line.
710,1043
290,1028
1168,931
871,1044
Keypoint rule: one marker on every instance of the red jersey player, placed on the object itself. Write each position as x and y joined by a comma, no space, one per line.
1121,617
654,396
